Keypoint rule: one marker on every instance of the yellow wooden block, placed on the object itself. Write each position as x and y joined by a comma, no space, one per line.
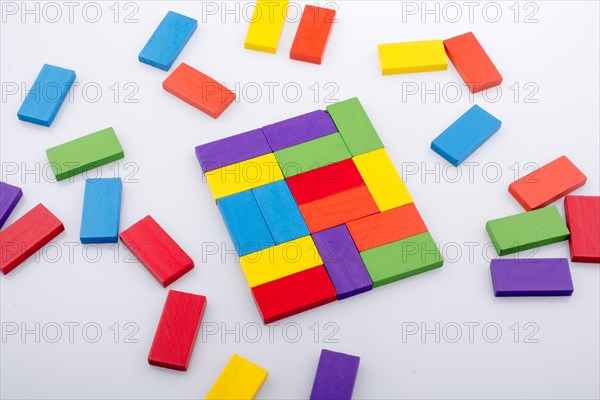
266,25
407,57
244,175
280,261
382,179
241,379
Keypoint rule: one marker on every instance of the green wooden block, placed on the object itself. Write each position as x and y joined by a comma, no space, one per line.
355,127
527,230
401,259
84,153
312,155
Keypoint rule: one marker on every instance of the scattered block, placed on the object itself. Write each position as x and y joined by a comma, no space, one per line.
9,197
300,129
531,277
198,90
583,220
101,210
27,235
312,34
335,377
177,330
241,379
266,25
85,153
547,184
46,95
355,126
466,135
168,40
408,57
527,230
156,250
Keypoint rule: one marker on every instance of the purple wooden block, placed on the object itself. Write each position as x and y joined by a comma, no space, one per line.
335,376
9,197
300,129
231,150
344,265
531,277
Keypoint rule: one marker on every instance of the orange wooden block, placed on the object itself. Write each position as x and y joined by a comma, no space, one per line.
547,184
386,227
199,90
312,34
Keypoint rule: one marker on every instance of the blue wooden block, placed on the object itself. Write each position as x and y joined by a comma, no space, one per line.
245,223
281,212
168,40
465,135
101,210
46,95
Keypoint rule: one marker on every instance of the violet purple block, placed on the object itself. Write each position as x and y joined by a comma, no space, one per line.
300,129
335,376
344,265
232,150
531,277
9,197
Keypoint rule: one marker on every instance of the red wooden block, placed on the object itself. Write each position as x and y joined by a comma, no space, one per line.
294,294
199,90
27,235
472,62
325,181
177,330
547,184
583,220
156,250
312,34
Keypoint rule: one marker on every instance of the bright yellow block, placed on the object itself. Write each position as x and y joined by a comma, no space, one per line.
382,179
280,261
244,175
406,57
241,379
266,25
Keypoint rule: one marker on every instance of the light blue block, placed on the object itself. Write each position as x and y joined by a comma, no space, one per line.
101,210
168,40
245,223
46,95
465,135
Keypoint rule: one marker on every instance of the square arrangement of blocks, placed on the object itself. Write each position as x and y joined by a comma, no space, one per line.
316,210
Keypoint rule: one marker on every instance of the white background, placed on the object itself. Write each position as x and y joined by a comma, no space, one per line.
554,61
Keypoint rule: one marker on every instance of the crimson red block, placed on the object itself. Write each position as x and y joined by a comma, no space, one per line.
583,221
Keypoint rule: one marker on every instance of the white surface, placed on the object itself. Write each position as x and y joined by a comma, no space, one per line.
558,55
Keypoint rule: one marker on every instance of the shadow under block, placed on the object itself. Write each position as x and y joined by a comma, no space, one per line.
547,184
408,57
466,135
46,95
342,262
9,197
168,40
312,34
583,220
293,294
382,179
280,211
198,90
300,129
401,259
531,277
177,330
280,261
27,235
245,223
266,25
335,377
240,379
527,230
472,62
355,126
101,210
156,250
85,153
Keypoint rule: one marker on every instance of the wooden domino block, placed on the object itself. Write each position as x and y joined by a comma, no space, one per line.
312,34
101,210
156,250
240,379
547,184
408,57
299,129
177,330
583,220
85,153
355,126
198,90
266,25
335,377
27,235
531,277
9,197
